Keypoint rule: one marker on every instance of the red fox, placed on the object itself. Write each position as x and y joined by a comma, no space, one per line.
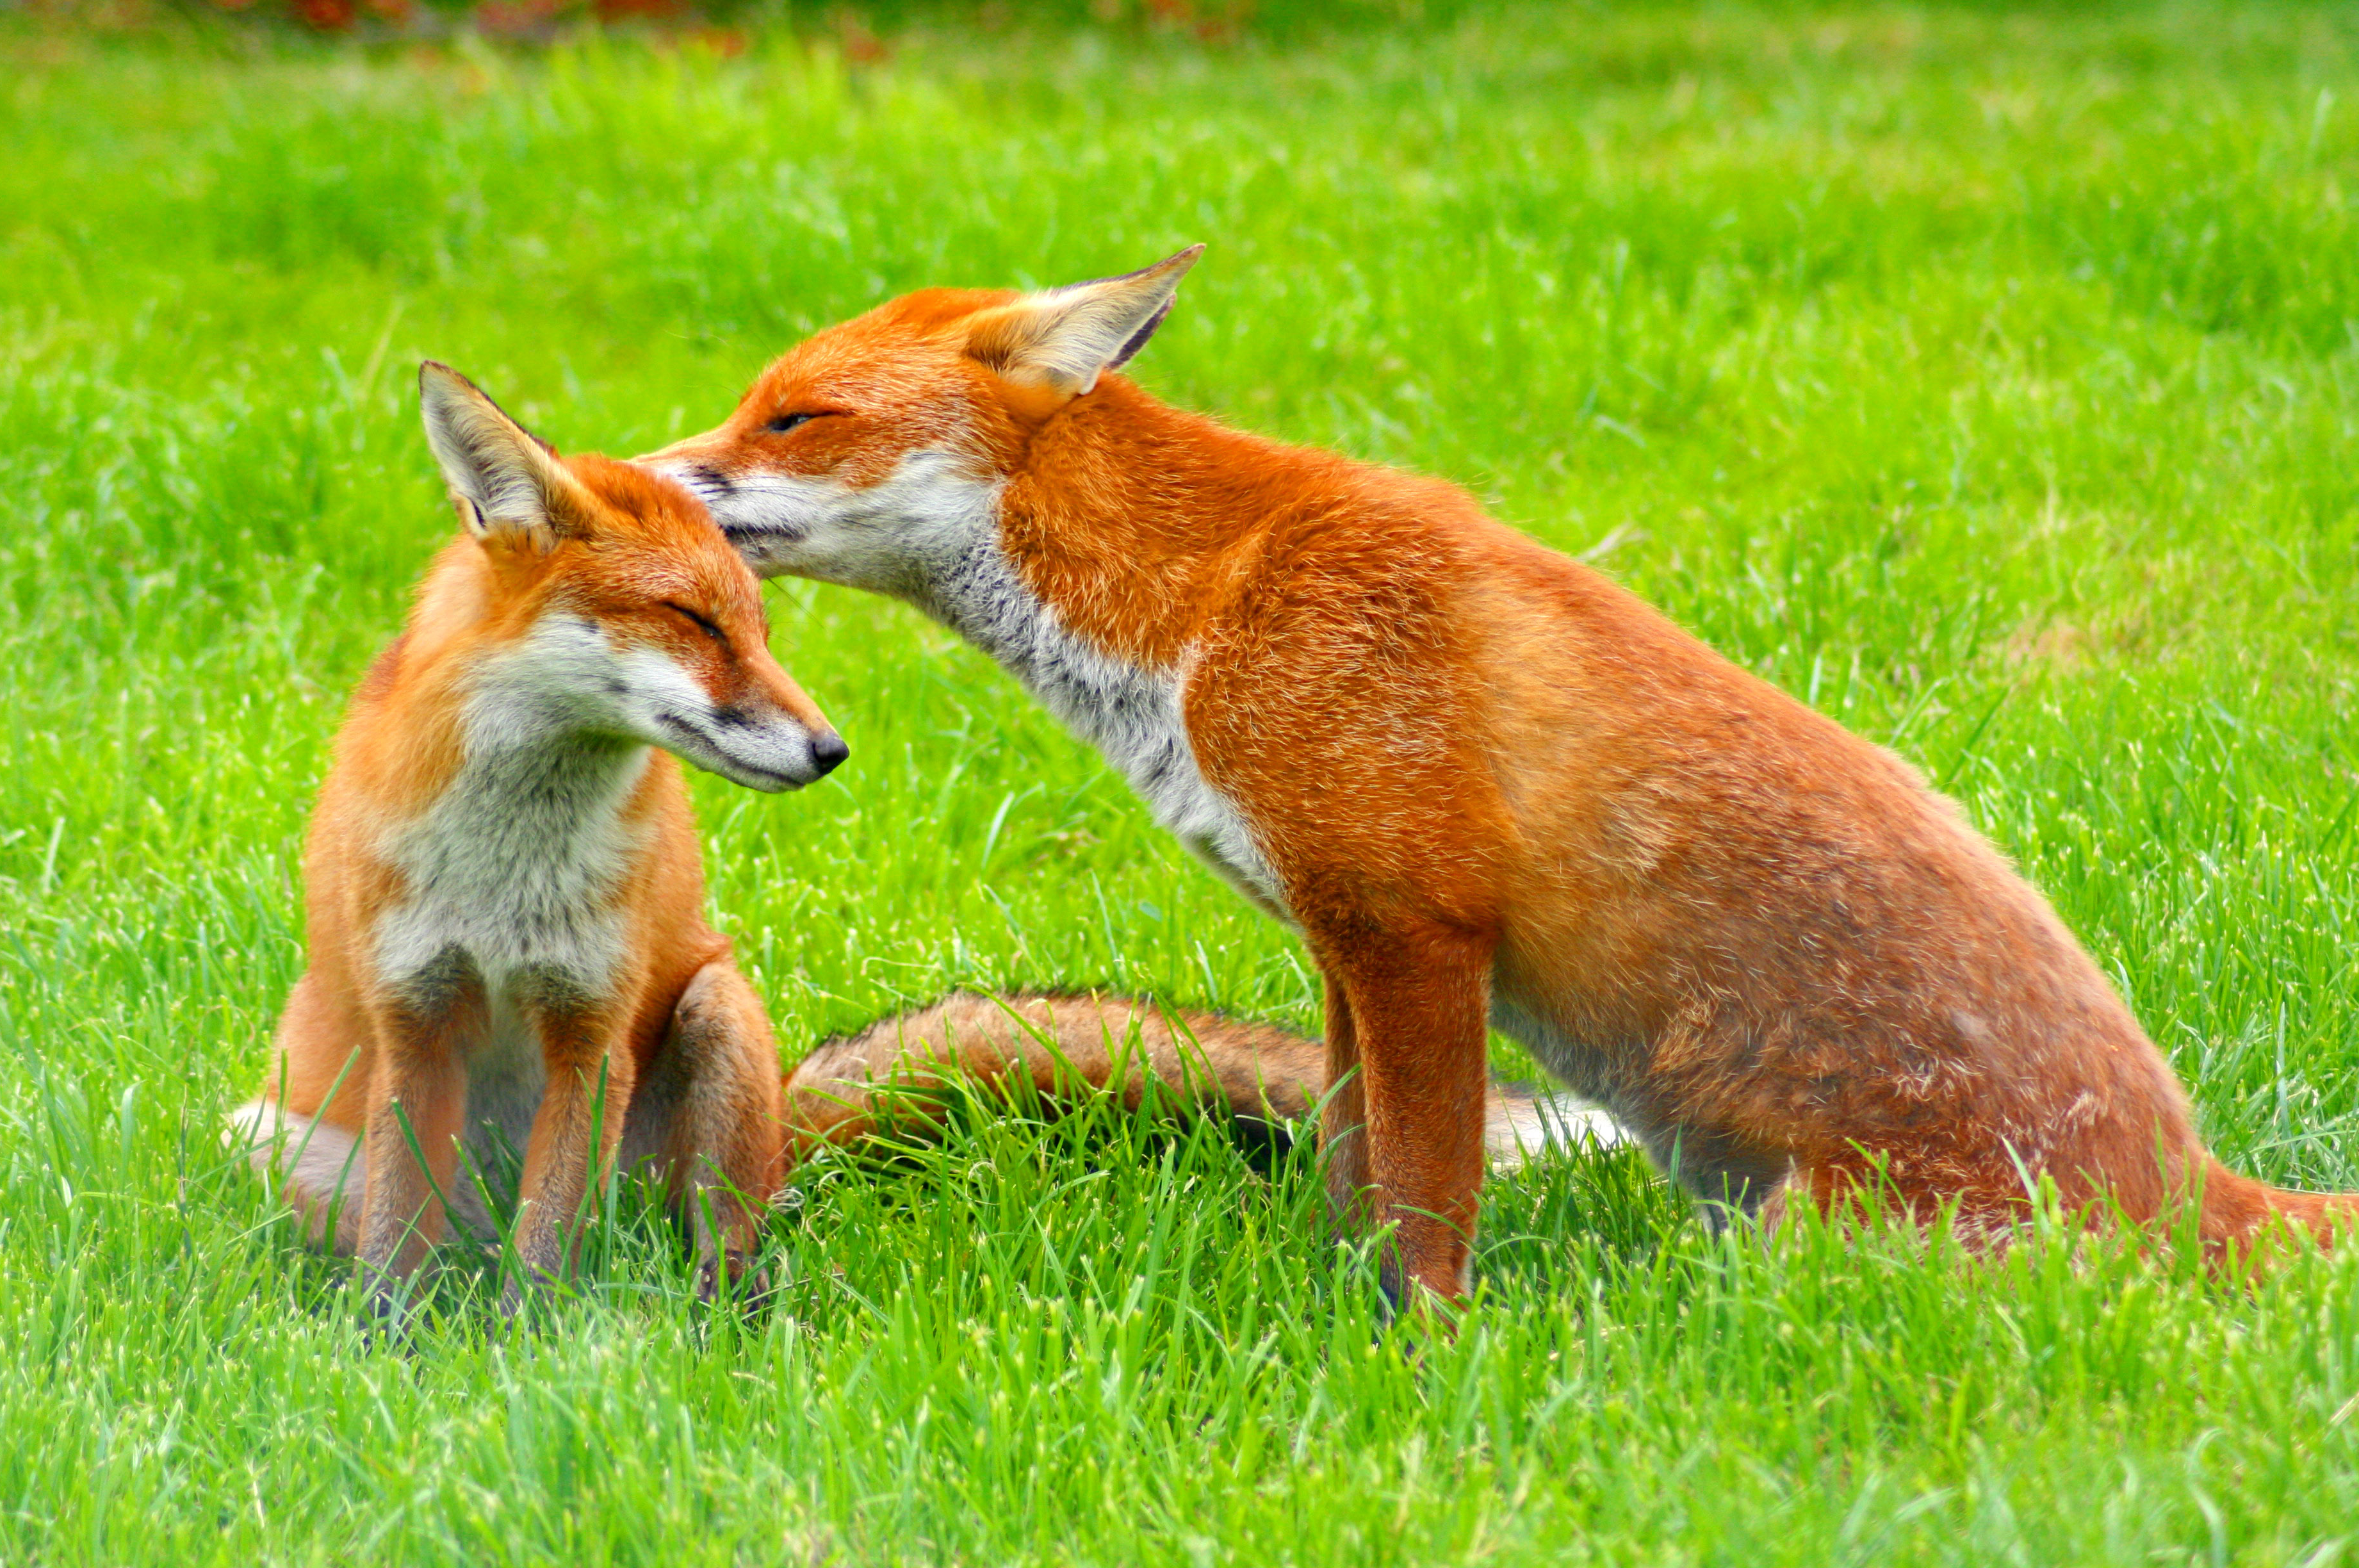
508,958
1486,784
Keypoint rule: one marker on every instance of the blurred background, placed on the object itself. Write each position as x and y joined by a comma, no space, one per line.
864,31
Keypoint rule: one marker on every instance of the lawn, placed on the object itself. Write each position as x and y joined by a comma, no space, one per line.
1987,377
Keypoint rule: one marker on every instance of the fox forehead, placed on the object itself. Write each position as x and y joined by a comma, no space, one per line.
632,504
892,352
611,575
898,381
650,538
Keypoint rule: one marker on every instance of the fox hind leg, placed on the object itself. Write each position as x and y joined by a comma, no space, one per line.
706,1120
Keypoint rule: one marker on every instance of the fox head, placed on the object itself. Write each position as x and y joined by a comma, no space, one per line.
613,604
871,454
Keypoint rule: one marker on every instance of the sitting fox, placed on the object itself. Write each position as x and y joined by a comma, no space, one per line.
508,953
1487,785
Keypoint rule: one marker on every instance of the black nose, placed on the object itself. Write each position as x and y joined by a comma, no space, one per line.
827,750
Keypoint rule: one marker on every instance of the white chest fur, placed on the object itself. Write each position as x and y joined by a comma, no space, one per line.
514,869
1131,713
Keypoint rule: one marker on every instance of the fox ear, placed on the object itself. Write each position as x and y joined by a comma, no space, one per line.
508,482
1065,338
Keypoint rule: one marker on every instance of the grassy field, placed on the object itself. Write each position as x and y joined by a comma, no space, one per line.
1987,377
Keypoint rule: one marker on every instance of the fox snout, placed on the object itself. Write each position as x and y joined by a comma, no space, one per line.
762,751
764,517
749,722
692,465
772,737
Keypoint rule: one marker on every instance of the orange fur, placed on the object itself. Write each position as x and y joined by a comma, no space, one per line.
1486,783
505,900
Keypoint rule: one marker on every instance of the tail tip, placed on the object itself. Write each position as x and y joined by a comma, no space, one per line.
1520,1125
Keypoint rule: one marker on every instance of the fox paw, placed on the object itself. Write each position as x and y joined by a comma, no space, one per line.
735,1276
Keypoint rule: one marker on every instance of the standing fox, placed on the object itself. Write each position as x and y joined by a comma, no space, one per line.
1485,783
509,953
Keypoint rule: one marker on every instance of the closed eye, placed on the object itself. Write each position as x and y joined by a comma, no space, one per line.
702,623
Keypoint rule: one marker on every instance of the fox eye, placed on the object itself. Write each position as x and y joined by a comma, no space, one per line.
785,423
701,622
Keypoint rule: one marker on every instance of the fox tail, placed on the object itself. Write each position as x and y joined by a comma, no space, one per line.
2237,1208
1092,1043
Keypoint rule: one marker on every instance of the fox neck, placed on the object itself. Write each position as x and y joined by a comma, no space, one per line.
517,864
1109,534
537,775
1127,517
505,778
1089,587
526,749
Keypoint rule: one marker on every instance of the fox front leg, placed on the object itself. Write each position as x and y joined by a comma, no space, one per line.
1408,1010
706,1119
418,1098
574,1137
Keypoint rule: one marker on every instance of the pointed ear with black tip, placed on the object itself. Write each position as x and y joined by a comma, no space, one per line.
1064,339
506,482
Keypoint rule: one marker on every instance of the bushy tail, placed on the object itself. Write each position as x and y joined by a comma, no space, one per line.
322,1166
2237,1209
1064,1044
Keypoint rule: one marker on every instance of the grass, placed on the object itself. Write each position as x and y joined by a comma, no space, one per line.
1986,376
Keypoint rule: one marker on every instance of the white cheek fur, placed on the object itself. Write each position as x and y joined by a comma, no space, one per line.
648,687
662,703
